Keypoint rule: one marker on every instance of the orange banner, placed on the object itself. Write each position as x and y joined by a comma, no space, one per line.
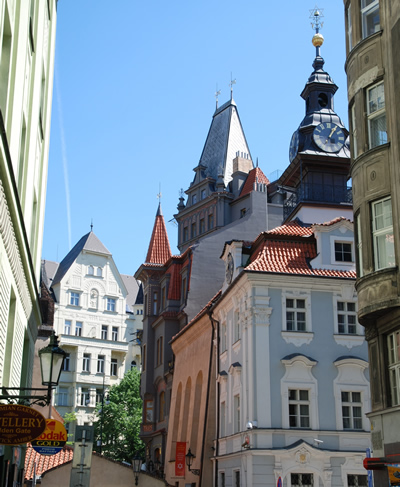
180,458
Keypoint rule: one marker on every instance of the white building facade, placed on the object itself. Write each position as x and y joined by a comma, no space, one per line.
97,317
292,372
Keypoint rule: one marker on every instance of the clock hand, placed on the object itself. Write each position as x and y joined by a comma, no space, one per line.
332,131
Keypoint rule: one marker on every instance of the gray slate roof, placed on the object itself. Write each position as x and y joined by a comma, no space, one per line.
224,139
134,289
88,242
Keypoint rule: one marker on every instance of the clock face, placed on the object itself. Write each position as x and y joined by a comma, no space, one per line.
329,137
294,146
229,269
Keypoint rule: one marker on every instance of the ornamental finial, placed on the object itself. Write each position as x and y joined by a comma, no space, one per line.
316,14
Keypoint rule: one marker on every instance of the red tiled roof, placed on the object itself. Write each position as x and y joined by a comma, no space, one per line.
292,228
45,462
291,257
255,176
159,250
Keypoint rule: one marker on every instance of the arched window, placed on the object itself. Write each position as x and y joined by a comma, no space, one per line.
133,364
90,270
99,272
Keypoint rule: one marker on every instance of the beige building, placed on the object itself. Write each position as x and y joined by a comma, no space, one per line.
27,44
373,72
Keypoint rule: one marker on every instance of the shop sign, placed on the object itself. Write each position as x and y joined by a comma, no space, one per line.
52,440
20,424
180,458
394,473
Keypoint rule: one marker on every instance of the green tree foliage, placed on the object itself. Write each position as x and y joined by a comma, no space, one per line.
118,422
70,418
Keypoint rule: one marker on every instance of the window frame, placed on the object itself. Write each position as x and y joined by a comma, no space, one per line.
375,115
86,362
78,328
66,366
386,231
74,298
346,313
294,309
114,333
393,366
114,367
62,396
351,417
365,11
101,360
85,397
104,332
67,327
298,403
111,305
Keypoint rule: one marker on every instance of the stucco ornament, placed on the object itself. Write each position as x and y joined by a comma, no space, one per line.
303,456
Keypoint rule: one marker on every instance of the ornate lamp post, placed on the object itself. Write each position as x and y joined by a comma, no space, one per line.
137,466
189,462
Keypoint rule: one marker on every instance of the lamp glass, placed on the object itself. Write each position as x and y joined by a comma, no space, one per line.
137,463
51,361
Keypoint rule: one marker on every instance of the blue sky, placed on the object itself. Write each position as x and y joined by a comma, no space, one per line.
134,97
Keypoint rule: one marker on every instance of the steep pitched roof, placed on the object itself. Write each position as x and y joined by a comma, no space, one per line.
88,242
254,179
225,138
159,250
44,462
133,287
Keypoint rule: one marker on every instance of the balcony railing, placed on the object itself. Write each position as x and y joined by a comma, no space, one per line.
317,193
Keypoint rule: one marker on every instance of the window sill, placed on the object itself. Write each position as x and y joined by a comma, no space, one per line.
349,341
297,338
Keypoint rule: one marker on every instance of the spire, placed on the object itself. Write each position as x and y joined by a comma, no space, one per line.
159,250
316,15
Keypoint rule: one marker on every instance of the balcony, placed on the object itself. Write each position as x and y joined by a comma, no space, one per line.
317,193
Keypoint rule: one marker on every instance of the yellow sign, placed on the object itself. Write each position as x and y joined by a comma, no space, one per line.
394,473
52,440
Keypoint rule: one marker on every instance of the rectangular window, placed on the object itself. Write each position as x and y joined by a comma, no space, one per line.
67,327
155,302
351,410
86,362
393,342
66,363
223,337
99,395
370,17
236,326
78,328
376,115
210,222
223,419
299,408
104,332
354,131
202,225
349,28
62,396
194,199
382,230
85,397
193,230
359,246
343,252
114,367
163,297
100,364
203,194
114,336
185,234
295,314
221,479
159,357
237,478
111,304
74,299
347,317
301,480
357,480
236,413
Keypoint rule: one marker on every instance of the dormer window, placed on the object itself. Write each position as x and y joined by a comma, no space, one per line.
203,194
343,252
194,199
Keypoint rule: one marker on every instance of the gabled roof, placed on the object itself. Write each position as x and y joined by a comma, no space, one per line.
225,138
45,462
133,287
88,242
159,250
254,179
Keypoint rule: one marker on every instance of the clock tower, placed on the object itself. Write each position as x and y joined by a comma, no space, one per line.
317,175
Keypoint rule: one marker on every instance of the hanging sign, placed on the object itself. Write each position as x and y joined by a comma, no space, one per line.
394,473
180,458
20,424
52,440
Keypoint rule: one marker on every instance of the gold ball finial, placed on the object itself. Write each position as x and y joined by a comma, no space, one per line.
318,40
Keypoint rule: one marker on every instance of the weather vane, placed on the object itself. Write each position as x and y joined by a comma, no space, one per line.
316,14
217,93
233,82
91,225
159,194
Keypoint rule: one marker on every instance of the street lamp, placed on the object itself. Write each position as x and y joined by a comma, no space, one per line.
51,361
189,462
137,465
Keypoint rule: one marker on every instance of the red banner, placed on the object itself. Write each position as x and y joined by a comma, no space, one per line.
180,458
